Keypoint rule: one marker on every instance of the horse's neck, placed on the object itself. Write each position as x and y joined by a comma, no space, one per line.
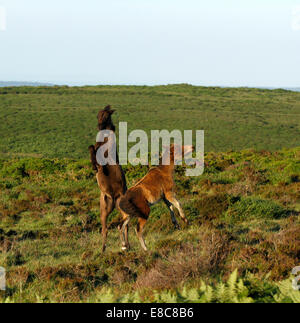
168,169
111,127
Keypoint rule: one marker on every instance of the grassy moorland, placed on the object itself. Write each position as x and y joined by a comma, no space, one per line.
244,237
244,214
61,121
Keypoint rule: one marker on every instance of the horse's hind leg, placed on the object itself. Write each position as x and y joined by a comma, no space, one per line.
122,238
106,207
171,208
123,229
139,232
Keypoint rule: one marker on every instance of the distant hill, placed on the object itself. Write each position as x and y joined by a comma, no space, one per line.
297,89
6,84
60,121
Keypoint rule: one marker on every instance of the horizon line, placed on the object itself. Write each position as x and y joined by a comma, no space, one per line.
83,84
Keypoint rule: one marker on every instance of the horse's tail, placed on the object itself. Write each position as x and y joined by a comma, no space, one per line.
128,206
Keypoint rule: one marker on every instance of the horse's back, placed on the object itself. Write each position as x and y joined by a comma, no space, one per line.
153,185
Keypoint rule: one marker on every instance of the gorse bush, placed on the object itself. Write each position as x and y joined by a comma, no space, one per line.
253,207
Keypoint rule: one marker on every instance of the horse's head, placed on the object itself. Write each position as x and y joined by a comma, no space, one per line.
104,119
177,152
181,151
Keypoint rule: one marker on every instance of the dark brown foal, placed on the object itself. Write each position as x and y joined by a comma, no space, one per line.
111,179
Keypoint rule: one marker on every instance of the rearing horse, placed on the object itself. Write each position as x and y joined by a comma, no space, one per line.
111,179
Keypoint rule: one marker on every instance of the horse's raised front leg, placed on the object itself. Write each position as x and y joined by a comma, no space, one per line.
172,213
93,157
172,199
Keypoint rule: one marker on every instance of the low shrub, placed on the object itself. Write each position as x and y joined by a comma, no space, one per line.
253,207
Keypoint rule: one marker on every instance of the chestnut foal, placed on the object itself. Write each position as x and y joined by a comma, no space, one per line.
157,185
111,179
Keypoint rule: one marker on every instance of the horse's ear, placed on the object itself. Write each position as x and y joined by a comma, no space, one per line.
109,110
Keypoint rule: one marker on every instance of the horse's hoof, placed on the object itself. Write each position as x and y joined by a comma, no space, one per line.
177,227
126,248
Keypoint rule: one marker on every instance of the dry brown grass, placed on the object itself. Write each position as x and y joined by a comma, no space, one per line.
286,194
187,262
277,253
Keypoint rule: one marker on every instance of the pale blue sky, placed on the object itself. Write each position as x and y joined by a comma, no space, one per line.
213,42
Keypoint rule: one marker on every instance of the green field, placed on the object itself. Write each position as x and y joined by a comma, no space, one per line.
244,237
61,121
